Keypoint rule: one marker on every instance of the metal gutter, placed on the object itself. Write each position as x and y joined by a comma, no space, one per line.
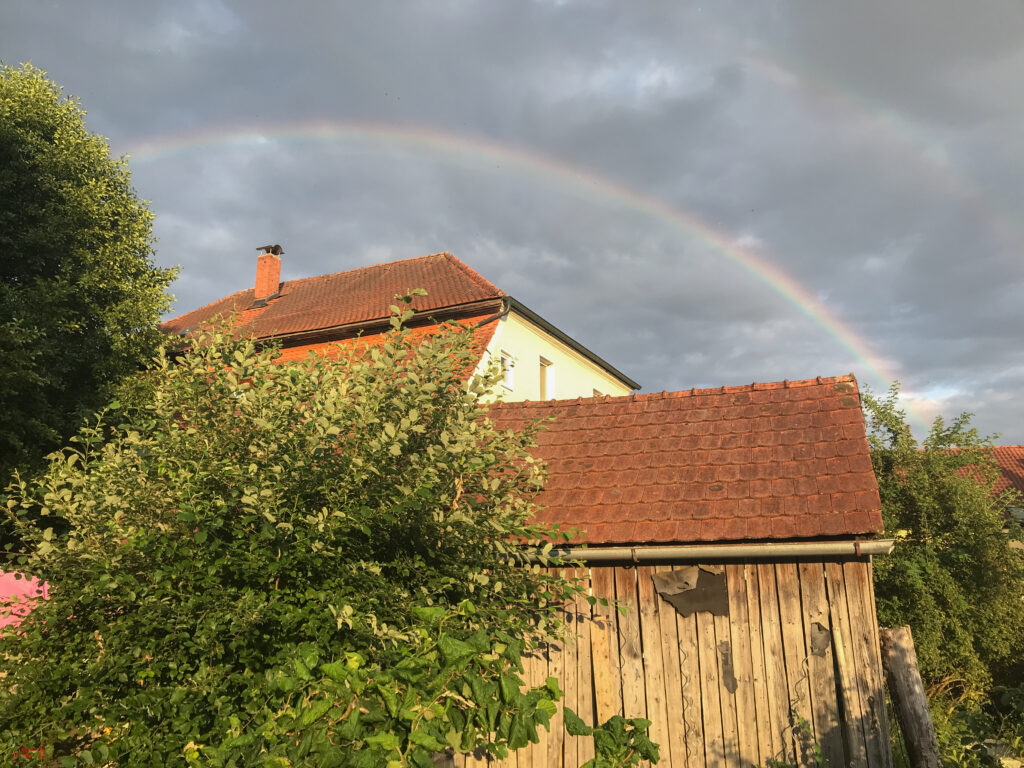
713,552
536,319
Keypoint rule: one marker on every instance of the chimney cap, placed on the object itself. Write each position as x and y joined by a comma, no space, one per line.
275,249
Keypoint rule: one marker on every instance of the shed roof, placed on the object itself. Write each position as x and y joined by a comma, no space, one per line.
782,460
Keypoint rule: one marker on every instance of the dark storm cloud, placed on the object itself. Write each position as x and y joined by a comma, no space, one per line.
871,152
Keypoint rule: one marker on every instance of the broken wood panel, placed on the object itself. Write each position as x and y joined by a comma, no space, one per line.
821,663
852,713
740,631
674,749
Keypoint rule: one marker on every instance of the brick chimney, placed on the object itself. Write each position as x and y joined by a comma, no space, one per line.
268,273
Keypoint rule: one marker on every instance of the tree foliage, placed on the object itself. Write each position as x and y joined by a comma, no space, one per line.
304,564
79,294
954,575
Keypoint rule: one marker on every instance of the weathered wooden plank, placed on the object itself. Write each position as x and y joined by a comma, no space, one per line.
740,632
899,660
556,736
569,676
630,652
673,749
884,735
776,678
727,691
654,666
793,644
864,627
765,739
690,676
821,662
853,712
710,686
536,668
584,669
604,644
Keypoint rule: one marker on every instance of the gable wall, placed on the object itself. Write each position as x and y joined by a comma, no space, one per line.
574,375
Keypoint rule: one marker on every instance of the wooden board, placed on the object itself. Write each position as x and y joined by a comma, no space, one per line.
630,653
776,674
853,715
765,738
821,662
654,666
569,680
556,737
584,671
740,630
673,749
692,683
710,686
727,680
605,647
864,627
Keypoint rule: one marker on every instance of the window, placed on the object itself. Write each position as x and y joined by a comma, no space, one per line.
547,380
508,369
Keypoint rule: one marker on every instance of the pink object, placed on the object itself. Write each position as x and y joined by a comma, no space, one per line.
17,596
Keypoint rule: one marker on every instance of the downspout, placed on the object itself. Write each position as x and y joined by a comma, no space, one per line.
506,306
713,552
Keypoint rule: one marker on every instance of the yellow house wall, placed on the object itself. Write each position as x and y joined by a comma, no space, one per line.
574,375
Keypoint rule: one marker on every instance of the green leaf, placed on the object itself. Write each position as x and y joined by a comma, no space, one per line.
574,725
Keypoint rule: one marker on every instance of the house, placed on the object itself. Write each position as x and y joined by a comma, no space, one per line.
538,361
1010,460
736,526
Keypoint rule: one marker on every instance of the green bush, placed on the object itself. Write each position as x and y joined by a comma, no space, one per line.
954,576
284,565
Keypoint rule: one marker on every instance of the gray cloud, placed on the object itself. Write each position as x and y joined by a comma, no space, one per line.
870,152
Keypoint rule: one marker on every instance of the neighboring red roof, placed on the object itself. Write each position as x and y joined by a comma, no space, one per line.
785,460
1010,459
344,298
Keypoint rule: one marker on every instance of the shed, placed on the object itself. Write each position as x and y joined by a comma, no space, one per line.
735,526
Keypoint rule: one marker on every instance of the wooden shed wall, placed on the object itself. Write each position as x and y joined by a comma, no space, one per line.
799,643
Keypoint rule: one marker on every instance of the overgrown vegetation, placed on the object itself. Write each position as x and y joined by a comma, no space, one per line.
79,294
955,575
311,564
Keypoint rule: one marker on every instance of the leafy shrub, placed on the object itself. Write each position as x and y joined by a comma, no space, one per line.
306,564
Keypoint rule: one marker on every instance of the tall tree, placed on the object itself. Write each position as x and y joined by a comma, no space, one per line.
955,576
80,296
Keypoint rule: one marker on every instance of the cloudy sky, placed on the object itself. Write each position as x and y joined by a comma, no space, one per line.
704,194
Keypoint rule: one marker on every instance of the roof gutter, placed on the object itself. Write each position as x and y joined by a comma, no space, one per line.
712,552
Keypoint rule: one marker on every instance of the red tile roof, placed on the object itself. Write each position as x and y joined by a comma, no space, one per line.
345,298
785,460
1010,459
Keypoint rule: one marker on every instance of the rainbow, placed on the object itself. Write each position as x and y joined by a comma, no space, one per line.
486,154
